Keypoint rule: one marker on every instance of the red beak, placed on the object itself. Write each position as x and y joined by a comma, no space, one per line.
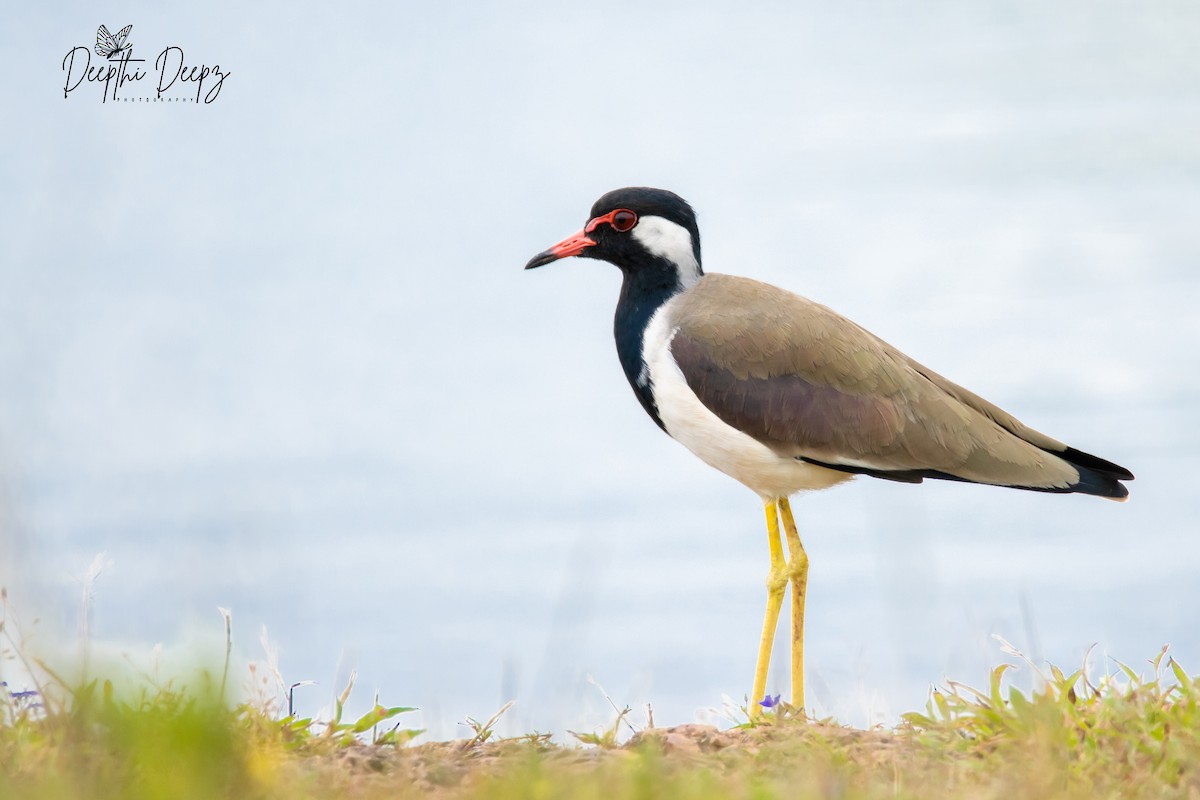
571,246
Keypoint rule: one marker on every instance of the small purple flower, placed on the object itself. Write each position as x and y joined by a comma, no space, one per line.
24,695
769,702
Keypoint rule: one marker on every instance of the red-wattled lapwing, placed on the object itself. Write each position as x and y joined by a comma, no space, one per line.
785,395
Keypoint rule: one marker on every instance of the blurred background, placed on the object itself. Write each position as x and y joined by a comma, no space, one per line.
277,353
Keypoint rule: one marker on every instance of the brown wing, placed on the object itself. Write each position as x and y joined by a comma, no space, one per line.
812,384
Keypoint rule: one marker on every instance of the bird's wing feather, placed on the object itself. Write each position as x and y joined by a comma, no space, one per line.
811,383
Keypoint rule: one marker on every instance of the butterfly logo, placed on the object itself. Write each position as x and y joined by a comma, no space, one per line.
108,45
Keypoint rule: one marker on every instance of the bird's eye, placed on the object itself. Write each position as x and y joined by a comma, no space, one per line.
623,220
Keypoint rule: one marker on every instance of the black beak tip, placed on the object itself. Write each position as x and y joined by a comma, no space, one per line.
541,259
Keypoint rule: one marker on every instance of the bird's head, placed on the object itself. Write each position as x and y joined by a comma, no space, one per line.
637,229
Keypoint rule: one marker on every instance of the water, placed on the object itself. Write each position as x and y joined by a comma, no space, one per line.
277,353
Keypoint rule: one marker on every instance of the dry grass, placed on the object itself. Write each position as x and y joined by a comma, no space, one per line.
1129,735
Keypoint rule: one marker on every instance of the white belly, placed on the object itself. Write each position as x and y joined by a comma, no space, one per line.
716,443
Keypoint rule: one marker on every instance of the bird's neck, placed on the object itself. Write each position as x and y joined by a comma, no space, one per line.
643,292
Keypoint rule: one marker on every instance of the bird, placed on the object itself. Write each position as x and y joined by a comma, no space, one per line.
786,395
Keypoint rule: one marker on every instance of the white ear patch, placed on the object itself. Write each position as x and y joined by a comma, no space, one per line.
670,241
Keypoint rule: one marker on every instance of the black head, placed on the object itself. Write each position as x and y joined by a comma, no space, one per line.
636,228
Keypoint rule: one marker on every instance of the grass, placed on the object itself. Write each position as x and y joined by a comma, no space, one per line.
131,736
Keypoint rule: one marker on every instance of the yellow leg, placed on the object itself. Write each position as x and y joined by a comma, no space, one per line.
797,572
777,579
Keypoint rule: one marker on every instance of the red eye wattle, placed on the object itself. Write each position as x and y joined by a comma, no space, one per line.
623,220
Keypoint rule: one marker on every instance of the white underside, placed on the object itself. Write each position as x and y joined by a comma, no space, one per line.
717,444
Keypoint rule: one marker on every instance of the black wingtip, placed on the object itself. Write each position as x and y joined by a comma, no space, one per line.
1097,476
1101,483
1095,464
